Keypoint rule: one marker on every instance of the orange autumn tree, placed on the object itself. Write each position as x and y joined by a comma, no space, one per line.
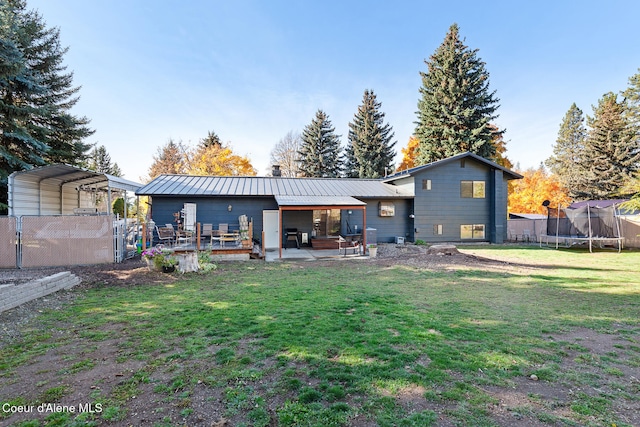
409,154
537,185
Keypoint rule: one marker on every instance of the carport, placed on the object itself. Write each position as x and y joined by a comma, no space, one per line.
62,190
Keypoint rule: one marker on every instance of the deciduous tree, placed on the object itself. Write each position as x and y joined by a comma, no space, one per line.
369,152
456,105
218,160
169,159
409,154
537,185
286,154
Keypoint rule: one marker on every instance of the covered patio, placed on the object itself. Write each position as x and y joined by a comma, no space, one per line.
311,203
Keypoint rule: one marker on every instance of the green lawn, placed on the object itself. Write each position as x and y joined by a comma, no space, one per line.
349,343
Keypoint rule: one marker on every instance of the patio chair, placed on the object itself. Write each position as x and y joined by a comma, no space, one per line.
207,231
166,235
348,245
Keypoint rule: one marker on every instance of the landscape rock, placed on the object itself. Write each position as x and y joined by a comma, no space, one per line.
442,250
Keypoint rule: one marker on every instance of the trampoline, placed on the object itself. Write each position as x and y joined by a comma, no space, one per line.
587,224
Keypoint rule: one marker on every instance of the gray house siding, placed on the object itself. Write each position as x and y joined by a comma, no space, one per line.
388,228
215,210
443,208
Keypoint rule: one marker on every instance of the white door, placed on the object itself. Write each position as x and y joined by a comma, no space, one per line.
271,227
189,216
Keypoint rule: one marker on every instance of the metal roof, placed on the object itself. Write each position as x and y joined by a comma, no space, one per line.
409,172
318,201
188,185
66,174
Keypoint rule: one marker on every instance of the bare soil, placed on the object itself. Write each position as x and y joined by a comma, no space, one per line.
209,409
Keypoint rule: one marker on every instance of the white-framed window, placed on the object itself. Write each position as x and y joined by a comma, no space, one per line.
472,189
386,209
426,184
472,231
437,229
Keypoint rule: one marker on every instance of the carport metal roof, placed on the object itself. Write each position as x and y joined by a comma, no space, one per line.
66,174
28,184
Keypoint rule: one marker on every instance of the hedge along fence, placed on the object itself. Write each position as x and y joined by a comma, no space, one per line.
14,295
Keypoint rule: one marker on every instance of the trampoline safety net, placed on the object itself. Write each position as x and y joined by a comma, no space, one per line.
575,223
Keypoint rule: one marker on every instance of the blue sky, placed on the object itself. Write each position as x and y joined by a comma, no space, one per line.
251,71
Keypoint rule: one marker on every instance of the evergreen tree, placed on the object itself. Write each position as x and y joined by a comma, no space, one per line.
369,152
632,103
36,96
19,86
320,150
569,150
211,140
65,132
456,106
611,153
100,161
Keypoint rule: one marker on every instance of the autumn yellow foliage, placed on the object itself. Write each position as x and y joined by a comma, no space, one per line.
409,154
219,160
537,185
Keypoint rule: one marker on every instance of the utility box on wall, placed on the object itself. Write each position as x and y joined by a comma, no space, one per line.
399,240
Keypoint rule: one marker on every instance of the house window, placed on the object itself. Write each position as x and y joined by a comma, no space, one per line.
386,209
426,184
437,229
472,231
472,189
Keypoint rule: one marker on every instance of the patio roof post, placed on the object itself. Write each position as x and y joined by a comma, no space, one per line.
364,228
279,231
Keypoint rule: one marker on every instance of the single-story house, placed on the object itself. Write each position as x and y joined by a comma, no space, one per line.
459,199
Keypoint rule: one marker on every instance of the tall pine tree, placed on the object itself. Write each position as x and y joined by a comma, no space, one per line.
369,152
568,150
611,153
632,103
100,161
20,147
456,105
320,151
36,97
